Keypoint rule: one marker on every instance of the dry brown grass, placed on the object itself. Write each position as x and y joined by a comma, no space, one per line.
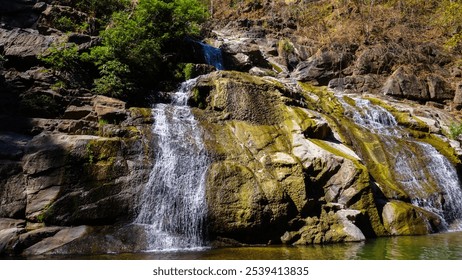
354,22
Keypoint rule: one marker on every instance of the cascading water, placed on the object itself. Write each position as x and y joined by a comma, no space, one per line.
212,56
428,178
173,203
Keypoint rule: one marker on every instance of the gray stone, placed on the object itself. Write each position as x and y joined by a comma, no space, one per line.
38,202
77,113
24,43
405,84
34,236
458,96
9,239
109,109
6,223
52,244
13,196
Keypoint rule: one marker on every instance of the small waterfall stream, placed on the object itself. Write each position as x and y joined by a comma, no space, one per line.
428,178
212,56
173,203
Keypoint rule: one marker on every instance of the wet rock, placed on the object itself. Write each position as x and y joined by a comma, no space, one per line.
268,173
401,218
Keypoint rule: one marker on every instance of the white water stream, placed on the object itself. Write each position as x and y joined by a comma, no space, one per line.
173,204
429,178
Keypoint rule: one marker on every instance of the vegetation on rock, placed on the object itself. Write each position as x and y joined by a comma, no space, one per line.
136,45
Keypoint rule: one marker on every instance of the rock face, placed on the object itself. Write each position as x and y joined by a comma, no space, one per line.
288,165
75,172
378,68
269,181
283,171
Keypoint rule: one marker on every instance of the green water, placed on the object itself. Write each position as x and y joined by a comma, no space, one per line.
447,246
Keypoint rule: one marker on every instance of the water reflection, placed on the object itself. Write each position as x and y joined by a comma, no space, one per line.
447,246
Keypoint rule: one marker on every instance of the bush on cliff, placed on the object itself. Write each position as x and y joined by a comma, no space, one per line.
136,45
138,50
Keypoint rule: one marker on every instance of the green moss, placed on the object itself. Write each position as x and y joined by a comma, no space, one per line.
350,101
141,113
296,116
327,103
401,218
103,150
198,98
455,130
188,71
285,46
276,68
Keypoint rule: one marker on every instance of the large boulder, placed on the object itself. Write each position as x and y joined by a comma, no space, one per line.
243,55
322,67
401,218
405,83
22,46
458,96
275,167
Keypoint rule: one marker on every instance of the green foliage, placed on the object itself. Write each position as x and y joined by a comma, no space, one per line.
61,57
188,71
455,130
286,46
65,24
132,54
59,85
91,155
115,79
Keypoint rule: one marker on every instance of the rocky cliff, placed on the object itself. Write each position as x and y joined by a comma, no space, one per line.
289,164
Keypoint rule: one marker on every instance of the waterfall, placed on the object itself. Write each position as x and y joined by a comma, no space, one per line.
428,178
212,56
173,204
374,117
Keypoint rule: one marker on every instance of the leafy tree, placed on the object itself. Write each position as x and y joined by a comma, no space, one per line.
132,54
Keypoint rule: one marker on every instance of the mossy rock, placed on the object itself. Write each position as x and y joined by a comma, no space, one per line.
103,149
237,206
401,218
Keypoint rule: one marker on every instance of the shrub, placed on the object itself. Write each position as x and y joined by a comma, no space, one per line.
455,130
134,45
61,57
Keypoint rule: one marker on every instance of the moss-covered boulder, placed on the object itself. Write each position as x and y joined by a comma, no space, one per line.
401,218
276,165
